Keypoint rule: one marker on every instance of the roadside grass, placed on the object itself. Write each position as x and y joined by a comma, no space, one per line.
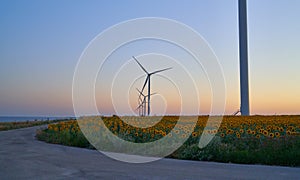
71,136
283,151
4,126
268,140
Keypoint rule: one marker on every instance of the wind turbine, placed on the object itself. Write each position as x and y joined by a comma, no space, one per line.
243,45
143,101
140,107
148,80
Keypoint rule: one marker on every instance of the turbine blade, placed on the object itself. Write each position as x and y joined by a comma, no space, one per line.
160,71
139,91
151,94
140,94
145,83
140,99
140,65
139,107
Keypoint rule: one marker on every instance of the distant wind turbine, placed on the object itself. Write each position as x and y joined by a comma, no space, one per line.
148,80
142,105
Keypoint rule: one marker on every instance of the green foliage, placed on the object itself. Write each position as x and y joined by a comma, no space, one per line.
284,151
4,126
67,138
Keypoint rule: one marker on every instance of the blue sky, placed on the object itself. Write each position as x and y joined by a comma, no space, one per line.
41,42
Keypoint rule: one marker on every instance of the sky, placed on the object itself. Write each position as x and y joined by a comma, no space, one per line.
41,43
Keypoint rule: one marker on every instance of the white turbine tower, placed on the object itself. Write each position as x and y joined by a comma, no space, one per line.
243,46
148,80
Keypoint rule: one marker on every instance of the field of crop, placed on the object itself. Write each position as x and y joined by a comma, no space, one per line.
272,140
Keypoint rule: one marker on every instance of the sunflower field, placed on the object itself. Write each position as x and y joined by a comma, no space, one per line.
271,140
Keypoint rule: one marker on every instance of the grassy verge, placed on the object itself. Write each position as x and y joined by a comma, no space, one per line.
269,140
4,126
282,151
58,134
